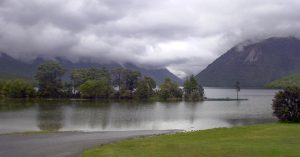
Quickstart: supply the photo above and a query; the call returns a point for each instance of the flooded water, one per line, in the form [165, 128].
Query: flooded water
[20, 116]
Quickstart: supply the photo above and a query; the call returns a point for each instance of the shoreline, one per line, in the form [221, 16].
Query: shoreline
[64, 144]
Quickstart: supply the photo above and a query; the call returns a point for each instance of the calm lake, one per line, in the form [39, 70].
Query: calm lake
[20, 116]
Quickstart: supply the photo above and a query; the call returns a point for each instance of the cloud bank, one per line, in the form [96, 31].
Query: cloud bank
[184, 36]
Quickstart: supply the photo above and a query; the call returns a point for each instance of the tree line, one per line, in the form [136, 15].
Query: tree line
[93, 83]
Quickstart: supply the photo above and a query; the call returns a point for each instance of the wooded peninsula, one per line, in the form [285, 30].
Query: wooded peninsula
[93, 83]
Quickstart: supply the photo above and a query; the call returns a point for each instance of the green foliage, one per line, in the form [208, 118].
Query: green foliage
[192, 90]
[49, 79]
[117, 75]
[17, 89]
[80, 76]
[169, 90]
[98, 83]
[286, 105]
[1, 88]
[289, 81]
[194, 96]
[145, 88]
[125, 94]
[150, 81]
[125, 79]
[96, 89]
[131, 79]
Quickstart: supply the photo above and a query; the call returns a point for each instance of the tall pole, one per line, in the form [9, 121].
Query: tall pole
[238, 88]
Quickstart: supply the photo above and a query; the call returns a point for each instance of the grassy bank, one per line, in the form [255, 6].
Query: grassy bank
[274, 140]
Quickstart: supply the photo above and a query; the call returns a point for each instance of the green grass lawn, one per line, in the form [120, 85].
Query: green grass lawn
[269, 140]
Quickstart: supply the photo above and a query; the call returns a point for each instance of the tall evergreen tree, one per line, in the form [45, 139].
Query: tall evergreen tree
[192, 90]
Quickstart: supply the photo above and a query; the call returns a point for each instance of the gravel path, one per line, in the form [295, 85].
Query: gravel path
[62, 144]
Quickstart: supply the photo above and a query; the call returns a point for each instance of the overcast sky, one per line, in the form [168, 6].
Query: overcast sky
[182, 35]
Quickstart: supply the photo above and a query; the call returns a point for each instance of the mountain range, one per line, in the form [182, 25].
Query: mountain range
[254, 65]
[14, 68]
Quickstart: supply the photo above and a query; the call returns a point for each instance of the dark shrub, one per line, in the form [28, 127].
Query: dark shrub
[286, 105]
[18, 89]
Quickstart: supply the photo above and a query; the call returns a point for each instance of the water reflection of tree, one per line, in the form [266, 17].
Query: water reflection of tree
[15, 104]
[132, 114]
[169, 111]
[105, 114]
[50, 116]
[93, 113]
[192, 107]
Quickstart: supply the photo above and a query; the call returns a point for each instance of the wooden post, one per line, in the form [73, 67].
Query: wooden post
[238, 88]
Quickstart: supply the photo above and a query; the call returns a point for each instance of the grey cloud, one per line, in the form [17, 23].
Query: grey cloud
[184, 36]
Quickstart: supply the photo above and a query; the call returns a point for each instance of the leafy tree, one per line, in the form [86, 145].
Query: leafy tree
[97, 74]
[131, 79]
[151, 82]
[96, 89]
[80, 76]
[126, 81]
[18, 89]
[125, 94]
[1, 88]
[145, 88]
[117, 75]
[192, 90]
[170, 90]
[49, 79]
[286, 105]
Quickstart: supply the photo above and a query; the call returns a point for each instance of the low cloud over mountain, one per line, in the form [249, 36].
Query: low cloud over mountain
[182, 35]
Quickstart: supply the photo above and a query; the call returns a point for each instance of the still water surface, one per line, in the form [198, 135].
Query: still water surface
[19, 116]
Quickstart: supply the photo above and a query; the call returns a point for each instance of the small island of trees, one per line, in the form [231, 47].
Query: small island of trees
[93, 83]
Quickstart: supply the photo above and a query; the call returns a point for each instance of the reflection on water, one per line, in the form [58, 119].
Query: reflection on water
[16, 116]
[50, 117]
